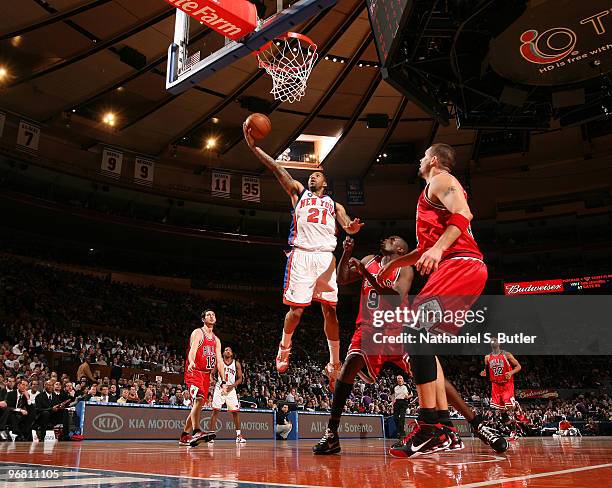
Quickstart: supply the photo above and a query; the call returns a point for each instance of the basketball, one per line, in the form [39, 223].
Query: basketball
[259, 124]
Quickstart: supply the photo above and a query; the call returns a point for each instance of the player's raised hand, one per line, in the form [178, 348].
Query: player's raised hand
[247, 135]
[348, 245]
[357, 265]
[354, 226]
[429, 261]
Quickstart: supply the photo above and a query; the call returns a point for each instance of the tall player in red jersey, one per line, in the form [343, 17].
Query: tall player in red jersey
[204, 354]
[447, 251]
[363, 357]
[502, 367]
[311, 266]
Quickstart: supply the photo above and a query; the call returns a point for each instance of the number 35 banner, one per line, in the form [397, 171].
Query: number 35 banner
[251, 191]
[111, 163]
[143, 171]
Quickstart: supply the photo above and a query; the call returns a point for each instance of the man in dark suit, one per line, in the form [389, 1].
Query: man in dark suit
[21, 415]
[51, 410]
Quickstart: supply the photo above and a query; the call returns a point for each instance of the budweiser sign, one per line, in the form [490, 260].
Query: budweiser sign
[230, 18]
[533, 287]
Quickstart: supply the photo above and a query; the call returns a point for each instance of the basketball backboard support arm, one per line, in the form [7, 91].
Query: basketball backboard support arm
[181, 74]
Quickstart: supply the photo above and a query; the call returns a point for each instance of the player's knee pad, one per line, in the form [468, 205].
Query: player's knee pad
[424, 369]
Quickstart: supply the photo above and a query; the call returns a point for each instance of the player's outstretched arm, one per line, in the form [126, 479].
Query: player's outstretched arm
[403, 261]
[293, 187]
[345, 273]
[447, 189]
[483, 373]
[349, 226]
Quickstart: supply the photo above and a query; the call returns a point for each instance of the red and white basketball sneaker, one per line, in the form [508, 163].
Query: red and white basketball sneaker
[282, 358]
[332, 371]
[185, 440]
[240, 439]
[201, 436]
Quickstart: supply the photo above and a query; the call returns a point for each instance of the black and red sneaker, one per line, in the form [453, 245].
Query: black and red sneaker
[491, 437]
[201, 437]
[423, 439]
[456, 442]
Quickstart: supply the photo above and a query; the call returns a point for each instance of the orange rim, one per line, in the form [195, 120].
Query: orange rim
[292, 35]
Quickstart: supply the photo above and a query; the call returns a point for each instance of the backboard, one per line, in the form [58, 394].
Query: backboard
[186, 69]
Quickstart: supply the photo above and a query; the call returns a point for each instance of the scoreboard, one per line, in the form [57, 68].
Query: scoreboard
[386, 19]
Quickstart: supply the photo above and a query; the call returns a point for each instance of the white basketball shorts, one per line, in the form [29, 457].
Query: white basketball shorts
[231, 399]
[310, 276]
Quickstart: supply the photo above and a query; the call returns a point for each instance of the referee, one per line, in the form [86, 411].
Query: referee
[401, 396]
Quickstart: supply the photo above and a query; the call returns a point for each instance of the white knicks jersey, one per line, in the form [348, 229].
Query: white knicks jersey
[314, 223]
[230, 374]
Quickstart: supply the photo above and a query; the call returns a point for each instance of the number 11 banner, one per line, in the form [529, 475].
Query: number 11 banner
[220, 186]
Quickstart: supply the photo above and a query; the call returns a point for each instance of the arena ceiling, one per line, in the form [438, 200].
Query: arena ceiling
[65, 70]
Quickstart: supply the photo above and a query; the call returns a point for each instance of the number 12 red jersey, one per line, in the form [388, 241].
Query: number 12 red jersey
[206, 355]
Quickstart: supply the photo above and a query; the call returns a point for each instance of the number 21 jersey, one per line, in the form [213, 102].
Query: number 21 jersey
[314, 223]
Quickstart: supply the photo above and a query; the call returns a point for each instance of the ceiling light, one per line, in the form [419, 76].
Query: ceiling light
[211, 142]
[15, 41]
[109, 119]
[120, 89]
[215, 120]
[3, 73]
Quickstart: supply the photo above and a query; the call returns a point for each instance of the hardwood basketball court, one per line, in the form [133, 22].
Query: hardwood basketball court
[532, 462]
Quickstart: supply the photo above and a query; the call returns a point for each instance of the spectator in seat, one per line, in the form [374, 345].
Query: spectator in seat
[104, 394]
[33, 392]
[21, 416]
[125, 393]
[85, 371]
[113, 395]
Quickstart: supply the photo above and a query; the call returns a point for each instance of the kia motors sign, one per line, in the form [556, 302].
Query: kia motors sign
[533, 287]
[230, 18]
[135, 422]
[312, 425]
[556, 42]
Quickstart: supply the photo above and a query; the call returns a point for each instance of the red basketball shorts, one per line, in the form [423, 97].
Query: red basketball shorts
[198, 383]
[453, 287]
[502, 395]
[363, 346]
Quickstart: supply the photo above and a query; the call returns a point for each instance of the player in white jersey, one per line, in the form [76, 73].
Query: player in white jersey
[233, 378]
[311, 266]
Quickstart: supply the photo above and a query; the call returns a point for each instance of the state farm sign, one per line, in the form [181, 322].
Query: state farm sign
[533, 287]
[230, 18]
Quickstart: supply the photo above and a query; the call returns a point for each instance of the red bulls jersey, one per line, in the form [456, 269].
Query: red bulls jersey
[498, 367]
[370, 300]
[206, 355]
[432, 221]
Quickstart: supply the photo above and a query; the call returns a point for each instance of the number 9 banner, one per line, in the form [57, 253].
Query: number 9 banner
[143, 171]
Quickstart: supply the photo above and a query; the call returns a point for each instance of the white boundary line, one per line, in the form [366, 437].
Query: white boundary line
[234, 481]
[532, 476]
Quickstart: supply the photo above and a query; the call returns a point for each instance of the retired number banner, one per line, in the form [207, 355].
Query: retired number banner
[111, 163]
[28, 136]
[251, 191]
[220, 186]
[144, 169]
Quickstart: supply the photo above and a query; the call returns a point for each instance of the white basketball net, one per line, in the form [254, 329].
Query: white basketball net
[289, 61]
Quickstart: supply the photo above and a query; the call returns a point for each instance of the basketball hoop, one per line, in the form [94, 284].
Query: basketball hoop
[288, 59]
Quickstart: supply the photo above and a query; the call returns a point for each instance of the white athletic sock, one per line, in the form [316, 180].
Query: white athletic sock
[334, 351]
[237, 432]
[286, 340]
